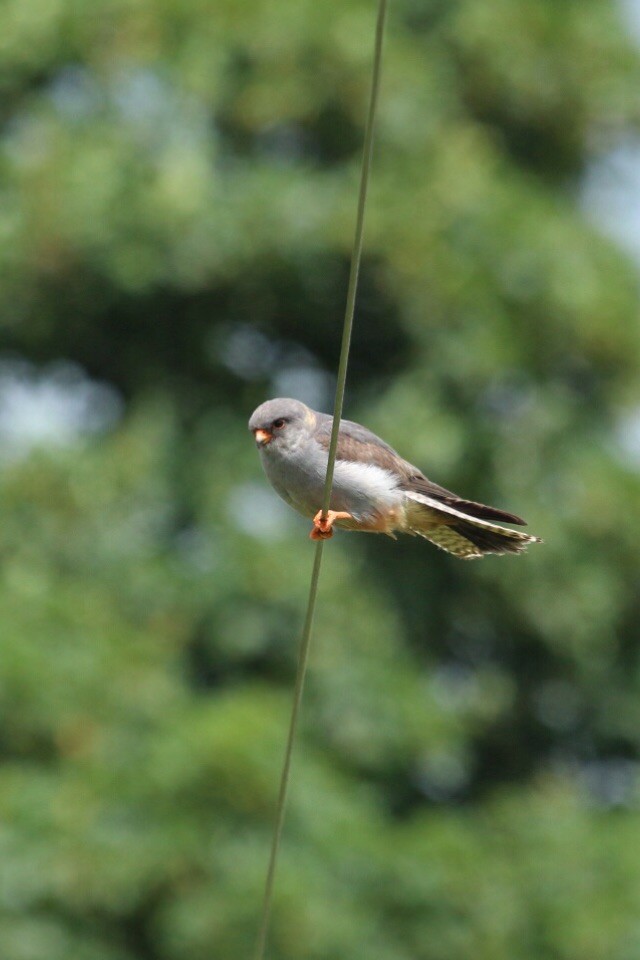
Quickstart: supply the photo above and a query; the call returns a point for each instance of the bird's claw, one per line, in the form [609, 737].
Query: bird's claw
[323, 525]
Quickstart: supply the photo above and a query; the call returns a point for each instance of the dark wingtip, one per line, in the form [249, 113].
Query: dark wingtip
[482, 512]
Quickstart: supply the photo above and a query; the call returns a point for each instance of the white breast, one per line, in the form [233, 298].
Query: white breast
[361, 489]
[364, 488]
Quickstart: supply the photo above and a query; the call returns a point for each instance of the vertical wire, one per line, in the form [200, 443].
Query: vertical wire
[303, 657]
[356, 256]
[305, 641]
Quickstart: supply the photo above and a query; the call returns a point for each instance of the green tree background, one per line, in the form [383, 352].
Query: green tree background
[178, 182]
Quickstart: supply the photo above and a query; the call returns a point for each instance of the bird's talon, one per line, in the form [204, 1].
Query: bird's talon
[318, 534]
[322, 526]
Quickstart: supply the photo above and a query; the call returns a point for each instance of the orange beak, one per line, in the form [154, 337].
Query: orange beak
[262, 436]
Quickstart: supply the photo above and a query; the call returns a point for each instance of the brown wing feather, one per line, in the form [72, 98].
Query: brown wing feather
[420, 484]
[357, 443]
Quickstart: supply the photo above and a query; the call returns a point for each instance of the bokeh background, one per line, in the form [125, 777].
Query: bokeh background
[177, 196]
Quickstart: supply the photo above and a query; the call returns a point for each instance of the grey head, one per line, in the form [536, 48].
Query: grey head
[281, 424]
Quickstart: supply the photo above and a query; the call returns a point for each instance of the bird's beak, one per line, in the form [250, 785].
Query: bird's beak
[262, 436]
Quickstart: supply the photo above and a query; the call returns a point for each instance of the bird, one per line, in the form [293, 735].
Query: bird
[374, 489]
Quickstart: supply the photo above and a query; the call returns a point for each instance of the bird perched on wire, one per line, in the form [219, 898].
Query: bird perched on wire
[374, 489]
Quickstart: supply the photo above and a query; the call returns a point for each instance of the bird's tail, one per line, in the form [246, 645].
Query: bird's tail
[459, 533]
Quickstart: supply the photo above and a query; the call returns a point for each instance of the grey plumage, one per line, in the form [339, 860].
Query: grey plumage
[374, 488]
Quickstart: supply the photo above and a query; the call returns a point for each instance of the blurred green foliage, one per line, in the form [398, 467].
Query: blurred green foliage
[177, 198]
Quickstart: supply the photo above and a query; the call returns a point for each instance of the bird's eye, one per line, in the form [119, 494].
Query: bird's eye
[279, 423]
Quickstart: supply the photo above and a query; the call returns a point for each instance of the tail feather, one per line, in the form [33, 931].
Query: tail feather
[493, 541]
[457, 532]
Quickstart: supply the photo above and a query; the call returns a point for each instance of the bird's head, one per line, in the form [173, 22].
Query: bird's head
[281, 424]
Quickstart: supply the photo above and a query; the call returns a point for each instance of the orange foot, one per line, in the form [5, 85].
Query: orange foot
[323, 526]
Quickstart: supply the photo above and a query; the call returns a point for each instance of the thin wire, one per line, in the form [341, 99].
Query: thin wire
[356, 256]
[305, 641]
[303, 658]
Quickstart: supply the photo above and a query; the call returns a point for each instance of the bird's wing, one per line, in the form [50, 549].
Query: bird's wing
[356, 443]
[419, 484]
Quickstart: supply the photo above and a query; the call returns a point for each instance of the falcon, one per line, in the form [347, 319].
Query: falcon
[374, 490]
